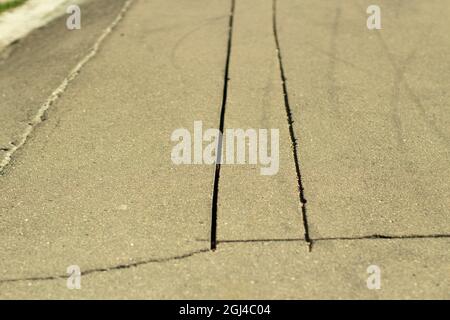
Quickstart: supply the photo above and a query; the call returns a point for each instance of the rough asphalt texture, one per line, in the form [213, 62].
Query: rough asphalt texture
[94, 184]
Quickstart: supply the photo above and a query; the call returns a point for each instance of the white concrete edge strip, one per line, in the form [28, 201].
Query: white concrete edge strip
[38, 118]
[18, 22]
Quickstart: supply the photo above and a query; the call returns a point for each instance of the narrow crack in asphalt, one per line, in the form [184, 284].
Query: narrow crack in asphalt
[215, 196]
[232, 241]
[113, 268]
[387, 237]
[291, 128]
[363, 237]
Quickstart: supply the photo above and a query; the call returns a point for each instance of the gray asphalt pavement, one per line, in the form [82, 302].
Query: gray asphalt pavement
[363, 179]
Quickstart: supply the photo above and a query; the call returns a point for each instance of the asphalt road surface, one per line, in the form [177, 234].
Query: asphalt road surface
[364, 151]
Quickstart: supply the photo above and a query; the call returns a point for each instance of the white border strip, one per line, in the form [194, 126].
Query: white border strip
[16, 23]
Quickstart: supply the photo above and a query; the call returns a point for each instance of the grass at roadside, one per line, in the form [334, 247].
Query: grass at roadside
[9, 4]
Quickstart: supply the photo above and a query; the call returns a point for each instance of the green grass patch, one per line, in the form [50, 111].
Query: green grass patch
[10, 4]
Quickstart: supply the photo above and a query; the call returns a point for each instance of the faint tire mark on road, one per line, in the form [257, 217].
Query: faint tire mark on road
[430, 120]
[189, 34]
[395, 100]
[333, 95]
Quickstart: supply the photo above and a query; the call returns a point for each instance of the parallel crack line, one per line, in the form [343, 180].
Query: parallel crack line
[56, 94]
[117, 267]
[291, 128]
[221, 126]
